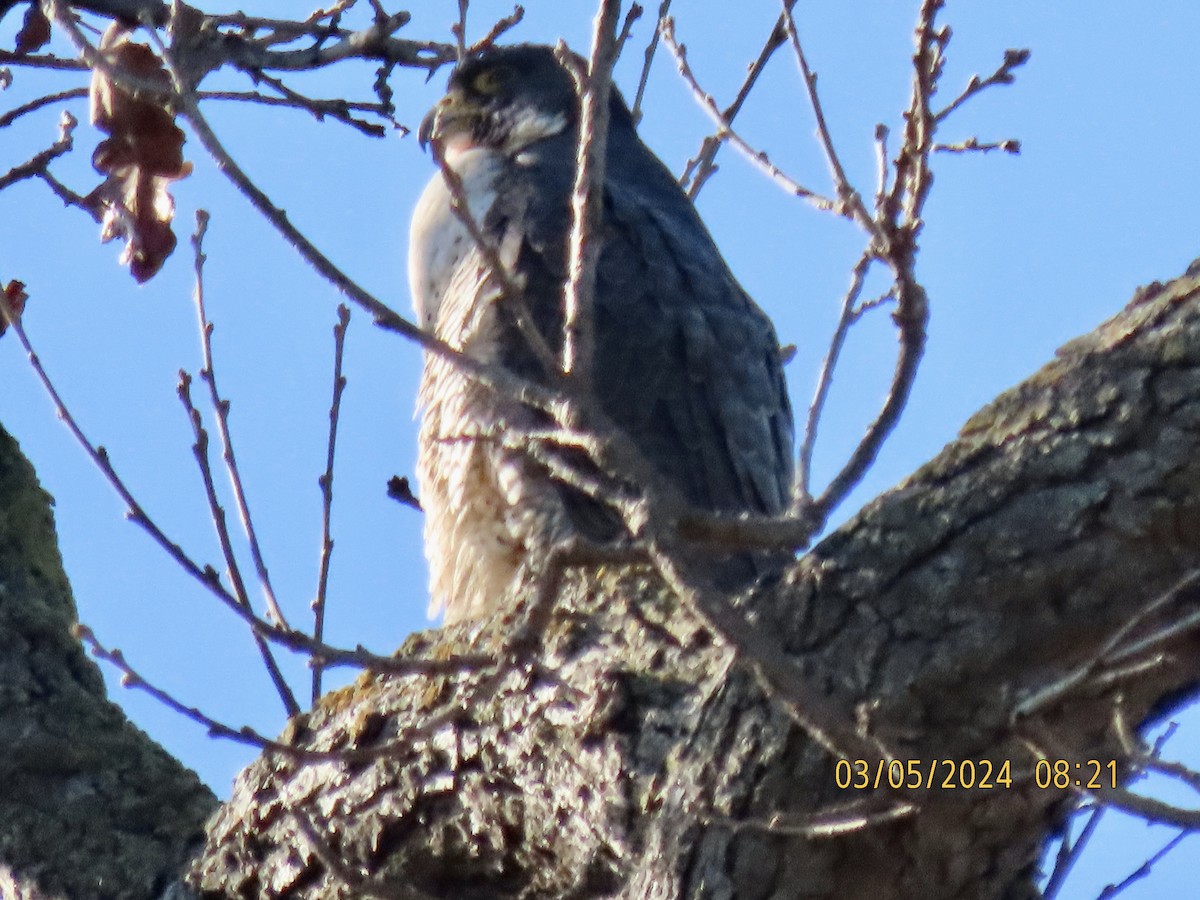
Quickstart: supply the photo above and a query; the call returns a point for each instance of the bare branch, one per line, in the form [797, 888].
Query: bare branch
[37, 165]
[130, 678]
[894, 231]
[1013, 60]
[703, 165]
[326, 485]
[1069, 853]
[647, 61]
[835, 820]
[216, 511]
[848, 316]
[337, 109]
[881, 165]
[850, 202]
[974, 145]
[1145, 868]
[221, 409]
[725, 130]
[34, 61]
[498, 29]
[587, 197]
[459, 30]
[48, 100]
[1116, 648]
[217, 515]
[808, 705]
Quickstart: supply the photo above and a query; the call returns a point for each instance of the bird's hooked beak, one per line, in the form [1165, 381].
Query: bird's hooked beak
[451, 115]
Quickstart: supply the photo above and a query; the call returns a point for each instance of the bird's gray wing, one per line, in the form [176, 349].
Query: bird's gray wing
[686, 365]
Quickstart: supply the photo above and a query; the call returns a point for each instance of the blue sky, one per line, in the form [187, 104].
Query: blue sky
[1019, 255]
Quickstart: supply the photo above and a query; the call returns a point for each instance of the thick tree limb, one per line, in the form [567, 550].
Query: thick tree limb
[620, 761]
[89, 806]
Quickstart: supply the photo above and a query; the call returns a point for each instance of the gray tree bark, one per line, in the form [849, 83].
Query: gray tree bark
[637, 756]
[90, 807]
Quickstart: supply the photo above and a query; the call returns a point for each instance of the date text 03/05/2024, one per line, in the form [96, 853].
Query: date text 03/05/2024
[967, 774]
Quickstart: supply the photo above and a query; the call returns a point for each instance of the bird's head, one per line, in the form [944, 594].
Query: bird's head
[503, 98]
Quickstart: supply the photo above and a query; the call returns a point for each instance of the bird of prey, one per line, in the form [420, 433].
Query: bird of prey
[685, 364]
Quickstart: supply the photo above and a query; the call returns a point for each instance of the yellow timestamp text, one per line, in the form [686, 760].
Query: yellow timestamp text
[911, 774]
[1089, 774]
[967, 774]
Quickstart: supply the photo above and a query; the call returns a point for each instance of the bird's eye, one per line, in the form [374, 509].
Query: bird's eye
[490, 81]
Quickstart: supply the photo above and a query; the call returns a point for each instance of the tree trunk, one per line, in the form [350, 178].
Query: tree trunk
[638, 755]
[90, 807]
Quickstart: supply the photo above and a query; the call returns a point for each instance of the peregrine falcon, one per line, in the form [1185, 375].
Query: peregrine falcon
[686, 365]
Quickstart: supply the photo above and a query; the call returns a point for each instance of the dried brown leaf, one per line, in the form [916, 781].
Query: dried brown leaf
[141, 156]
[14, 300]
[35, 31]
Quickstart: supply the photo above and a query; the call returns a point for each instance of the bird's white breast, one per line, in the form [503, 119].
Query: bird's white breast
[472, 546]
[438, 239]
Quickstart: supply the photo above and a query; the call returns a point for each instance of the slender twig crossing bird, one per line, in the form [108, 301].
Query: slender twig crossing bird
[685, 364]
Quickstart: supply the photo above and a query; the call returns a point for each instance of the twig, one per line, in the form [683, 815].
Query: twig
[850, 202]
[326, 485]
[336, 109]
[1145, 868]
[1013, 60]
[647, 61]
[846, 318]
[206, 575]
[631, 16]
[830, 822]
[587, 196]
[1047, 746]
[36, 165]
[375, 42]
[911, 316]
[817, 714]
[34, 61]
[133, 680]
[725, 130]
[1178, 771]
[319, 26]
[69, 197]
[1106, 652]
[25, 108]
[459, 30]
[217, 515]
[1069, 853]
[703, 165]
[974, 145]
[221, 409]
[499, 28]
[882, 168]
